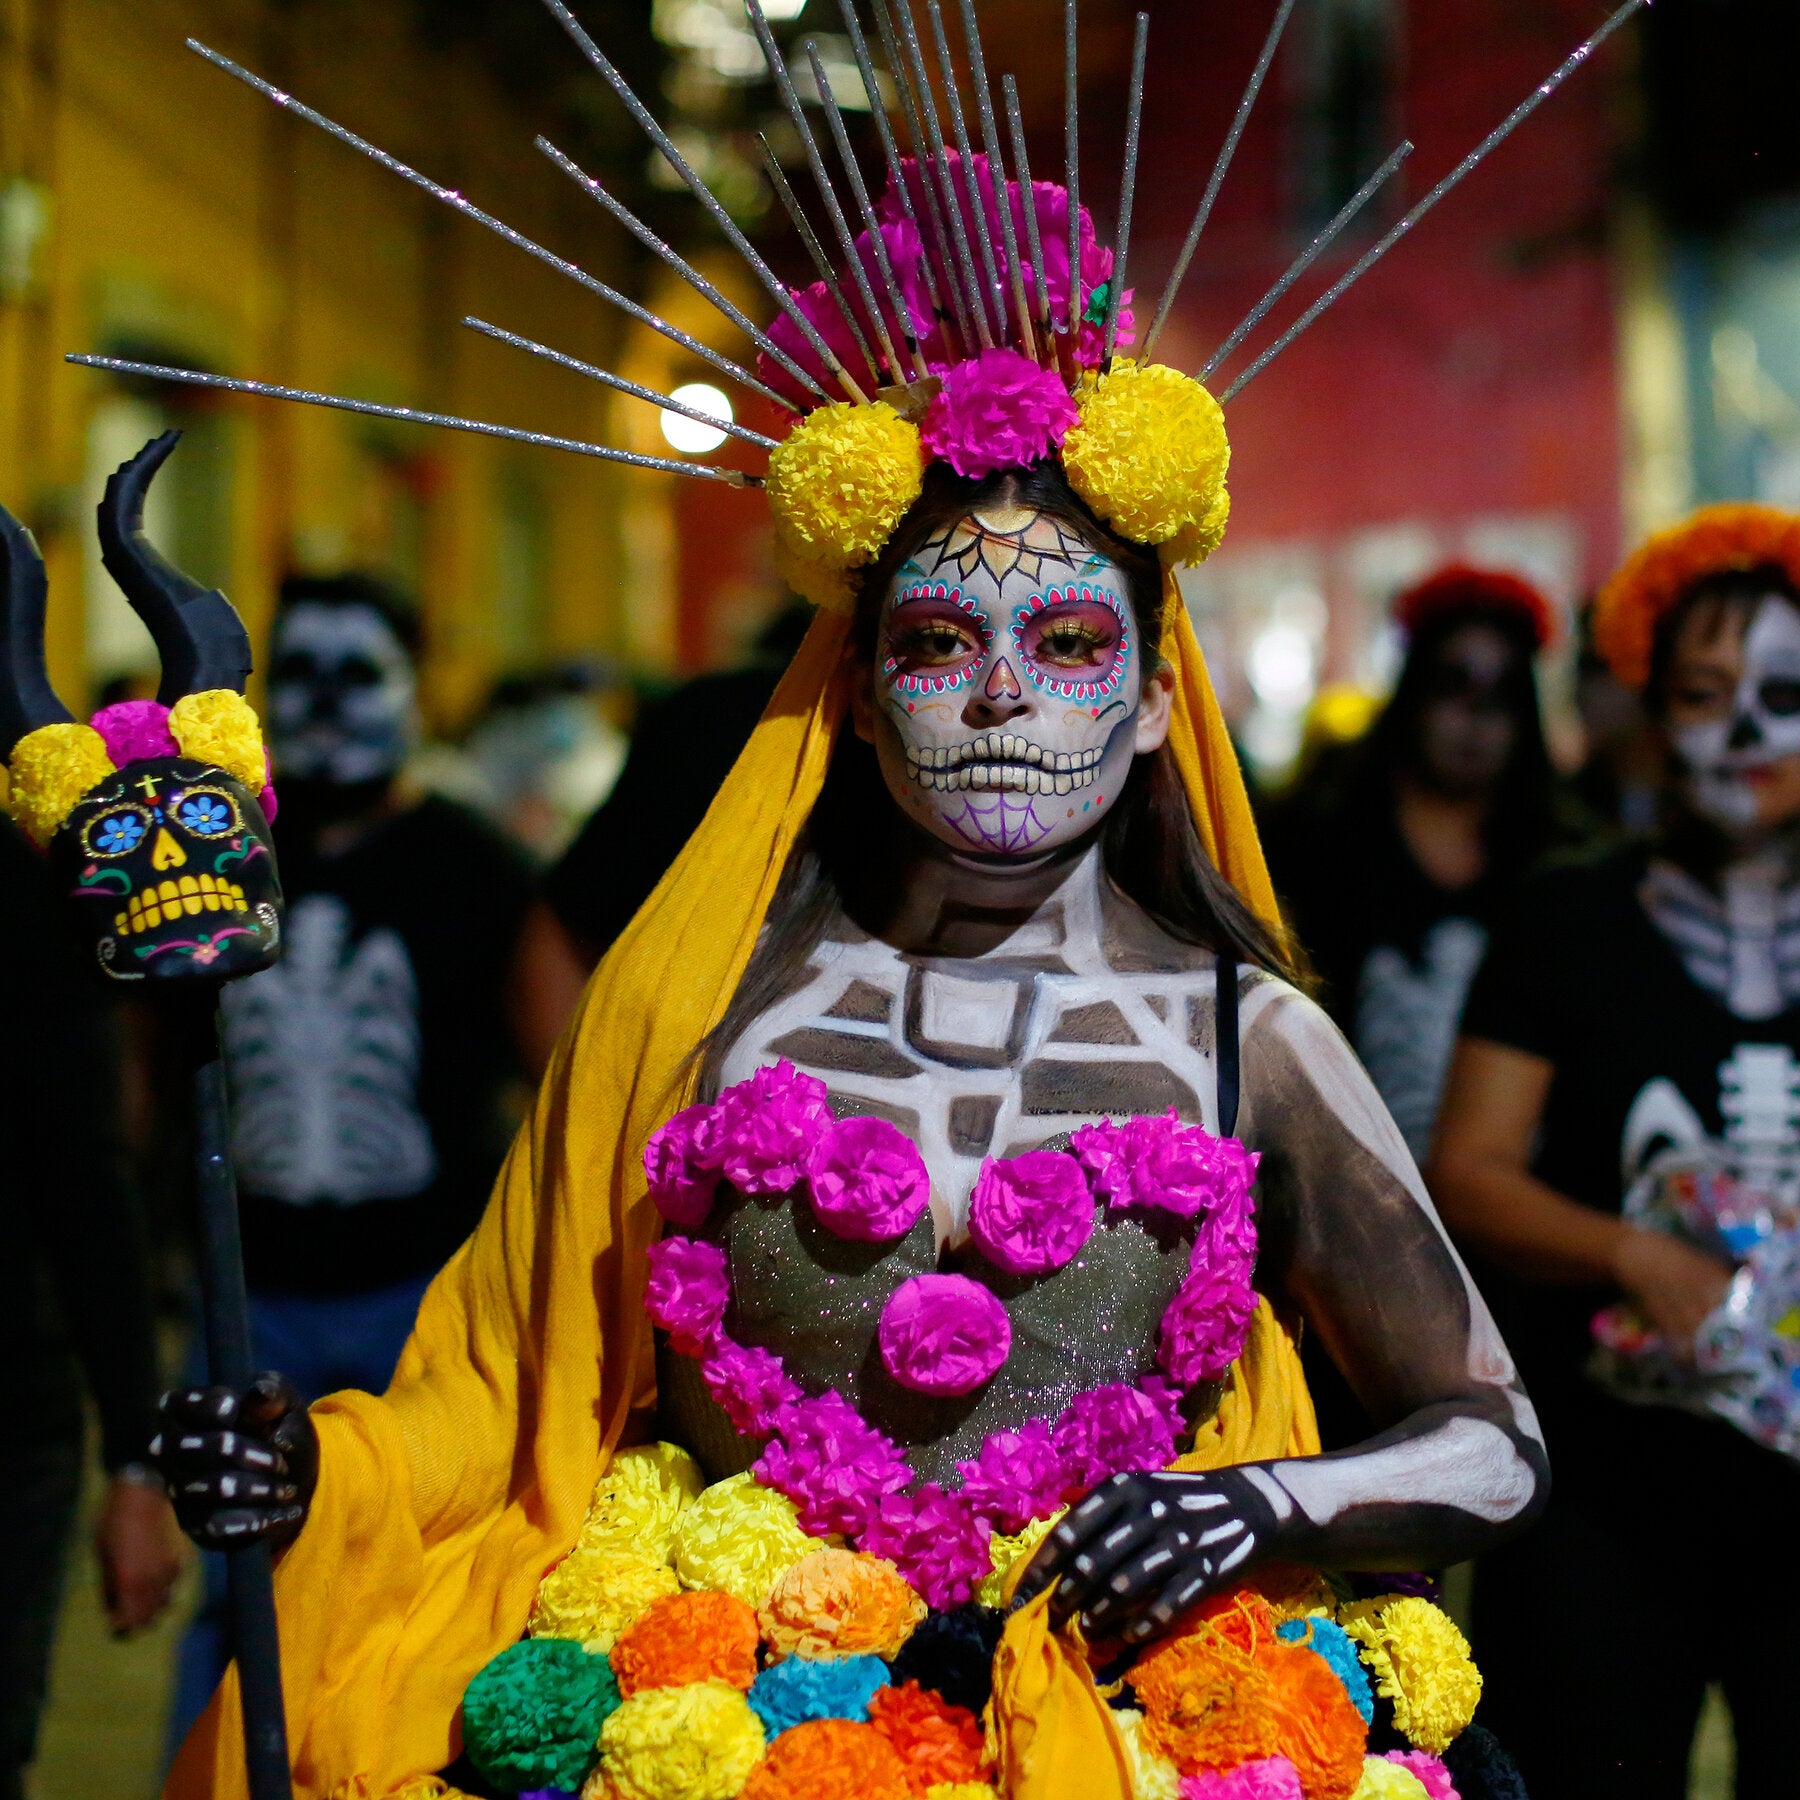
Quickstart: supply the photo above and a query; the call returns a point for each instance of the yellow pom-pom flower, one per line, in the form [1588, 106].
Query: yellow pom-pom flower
[51, 769]
[1009, 1555]
[1153, 1776]
[684, 1743]
[592, 1596]
[219, 727]
[639, 1499]
[838, 484]
[960, 1790]
[1421, 1662]
[1384, 1780]
[740, 1538]
[1149, 454]
[422, 1787]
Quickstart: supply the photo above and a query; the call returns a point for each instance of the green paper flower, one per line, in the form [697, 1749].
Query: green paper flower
[532, 1717]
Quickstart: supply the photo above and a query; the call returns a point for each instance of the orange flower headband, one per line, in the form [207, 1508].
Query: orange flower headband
[1717, 540]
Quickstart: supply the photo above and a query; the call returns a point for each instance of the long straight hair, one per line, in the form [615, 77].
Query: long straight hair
[847, 857]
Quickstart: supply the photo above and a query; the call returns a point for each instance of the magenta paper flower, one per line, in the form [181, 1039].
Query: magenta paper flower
[687, 1291]
[1205, 1325]
[833, 1466]
[868, 1181]
[1267, 1778]
[681, 1163]
[1017, 1476]
[1029, 1214]
[750, 1383]
[1161, 1162]
[135, 731]
[943, 1334]
[1432, 1774]
[768, 1125]
[998, 410]
[1114, 1430]
[934, 1540]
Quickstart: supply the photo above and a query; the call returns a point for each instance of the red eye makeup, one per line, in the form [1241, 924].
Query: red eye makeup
[1074, 641]
[935, 639]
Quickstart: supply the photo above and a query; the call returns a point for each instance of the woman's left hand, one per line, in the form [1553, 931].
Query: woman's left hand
[1141, 1549]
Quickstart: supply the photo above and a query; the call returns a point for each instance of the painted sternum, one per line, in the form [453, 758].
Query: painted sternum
[1074, 641]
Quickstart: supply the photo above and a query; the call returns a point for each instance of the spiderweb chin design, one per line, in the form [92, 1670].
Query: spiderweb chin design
[1000, 821]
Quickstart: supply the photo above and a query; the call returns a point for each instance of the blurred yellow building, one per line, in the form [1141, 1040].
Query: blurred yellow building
[152, 207]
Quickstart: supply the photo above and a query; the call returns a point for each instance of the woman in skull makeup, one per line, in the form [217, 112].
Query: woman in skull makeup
[1621, 1132]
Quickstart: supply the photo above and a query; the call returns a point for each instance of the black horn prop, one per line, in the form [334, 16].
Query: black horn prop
[27, 700]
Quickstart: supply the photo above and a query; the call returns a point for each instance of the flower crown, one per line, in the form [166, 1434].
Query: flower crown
[1461, 586]
[1716, 540]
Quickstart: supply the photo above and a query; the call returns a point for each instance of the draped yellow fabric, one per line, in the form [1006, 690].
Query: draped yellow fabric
[441, 1504]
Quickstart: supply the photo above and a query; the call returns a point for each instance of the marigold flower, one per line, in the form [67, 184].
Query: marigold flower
[700, 1742]
[829, 1759]
[840, 1603]
[738, 1538]
[1421, 1662]
[591, 1596]
[638, 1500]
[685, 1638]
[935, 1740]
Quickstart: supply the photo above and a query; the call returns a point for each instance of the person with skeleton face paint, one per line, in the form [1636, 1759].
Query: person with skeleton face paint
[1621, 1138]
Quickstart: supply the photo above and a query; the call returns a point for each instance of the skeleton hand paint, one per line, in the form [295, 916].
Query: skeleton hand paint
[1007, 686]
[1731, 760]
[343, 698]
[239, 1468]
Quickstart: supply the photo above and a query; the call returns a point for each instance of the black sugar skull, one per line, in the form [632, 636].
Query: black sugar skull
[155, 816]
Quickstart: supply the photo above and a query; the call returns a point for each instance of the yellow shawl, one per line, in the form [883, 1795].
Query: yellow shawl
[442, 1504]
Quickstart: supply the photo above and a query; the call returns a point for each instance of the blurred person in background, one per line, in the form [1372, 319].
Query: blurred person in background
[371, 1068]
[75, 1276]
[1617, 790]
[1392, 855]
[1620, 1142]
[681, 752]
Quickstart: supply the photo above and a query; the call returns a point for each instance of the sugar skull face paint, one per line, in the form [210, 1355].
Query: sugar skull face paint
[1007, 684]
[343, 697]
[1734, 714]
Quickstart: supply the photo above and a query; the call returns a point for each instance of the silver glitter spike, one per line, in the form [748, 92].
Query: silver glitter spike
[790, 203]
[1015, 125]
[412, 416]
[701, 192]
[897, 184]
[1227, 151]
[677, 262]
[871, 225]
[942, 258]
[617, 382]
[451, 198]
[990, 141]
[1134, 119]
[940, 162]
[992, 303]
[1308, 257]
[1469, 163]
[1072, 169]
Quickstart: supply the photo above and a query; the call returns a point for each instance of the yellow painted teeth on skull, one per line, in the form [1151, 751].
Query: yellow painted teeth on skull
[168, 901]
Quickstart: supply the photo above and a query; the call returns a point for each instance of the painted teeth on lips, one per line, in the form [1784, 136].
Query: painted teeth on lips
[999, 760]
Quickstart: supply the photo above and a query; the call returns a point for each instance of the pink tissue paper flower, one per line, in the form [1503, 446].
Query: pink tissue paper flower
[681, 1163]
[1205, 1325]
[1017, 1476]
[135, 731]
[868, 1181]
[833, 1466]
[1161, 1162]
[1114, 1430]
[1432, 1774]
[750, 1383]
[1268, 1778]
[1029, 1214]
[687, 1291]
[999, 410]
[935, 1541]
[943, 1334]
[768, 1125]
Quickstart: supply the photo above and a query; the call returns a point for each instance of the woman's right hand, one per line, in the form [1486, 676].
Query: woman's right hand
[240, 1468]
[1676, 1284]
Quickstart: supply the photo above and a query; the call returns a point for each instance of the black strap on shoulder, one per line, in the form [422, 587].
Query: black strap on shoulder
[1226, 1034]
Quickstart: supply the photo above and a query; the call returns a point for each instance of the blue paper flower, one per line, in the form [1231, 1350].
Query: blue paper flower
[121, 832]
[796, 1690]
[205, 814]
[1333, 1643]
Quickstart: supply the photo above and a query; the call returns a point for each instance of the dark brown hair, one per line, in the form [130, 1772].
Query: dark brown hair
[845, 857]
[1727, 591]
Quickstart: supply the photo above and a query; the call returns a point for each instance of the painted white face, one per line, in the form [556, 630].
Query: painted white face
[343, 698]
[1008, 674]
[1726, 758]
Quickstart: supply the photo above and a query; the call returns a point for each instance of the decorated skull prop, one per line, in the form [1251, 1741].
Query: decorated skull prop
[155, 816]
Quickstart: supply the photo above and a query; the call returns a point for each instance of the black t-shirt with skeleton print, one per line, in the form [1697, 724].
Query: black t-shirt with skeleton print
[1655, 1066]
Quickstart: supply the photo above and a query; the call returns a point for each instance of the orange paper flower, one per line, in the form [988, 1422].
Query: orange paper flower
[1716, 539]
[683, 1638]
[935, 1740]
[829, 1759]
[1318, 1727]
[841, 1603]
